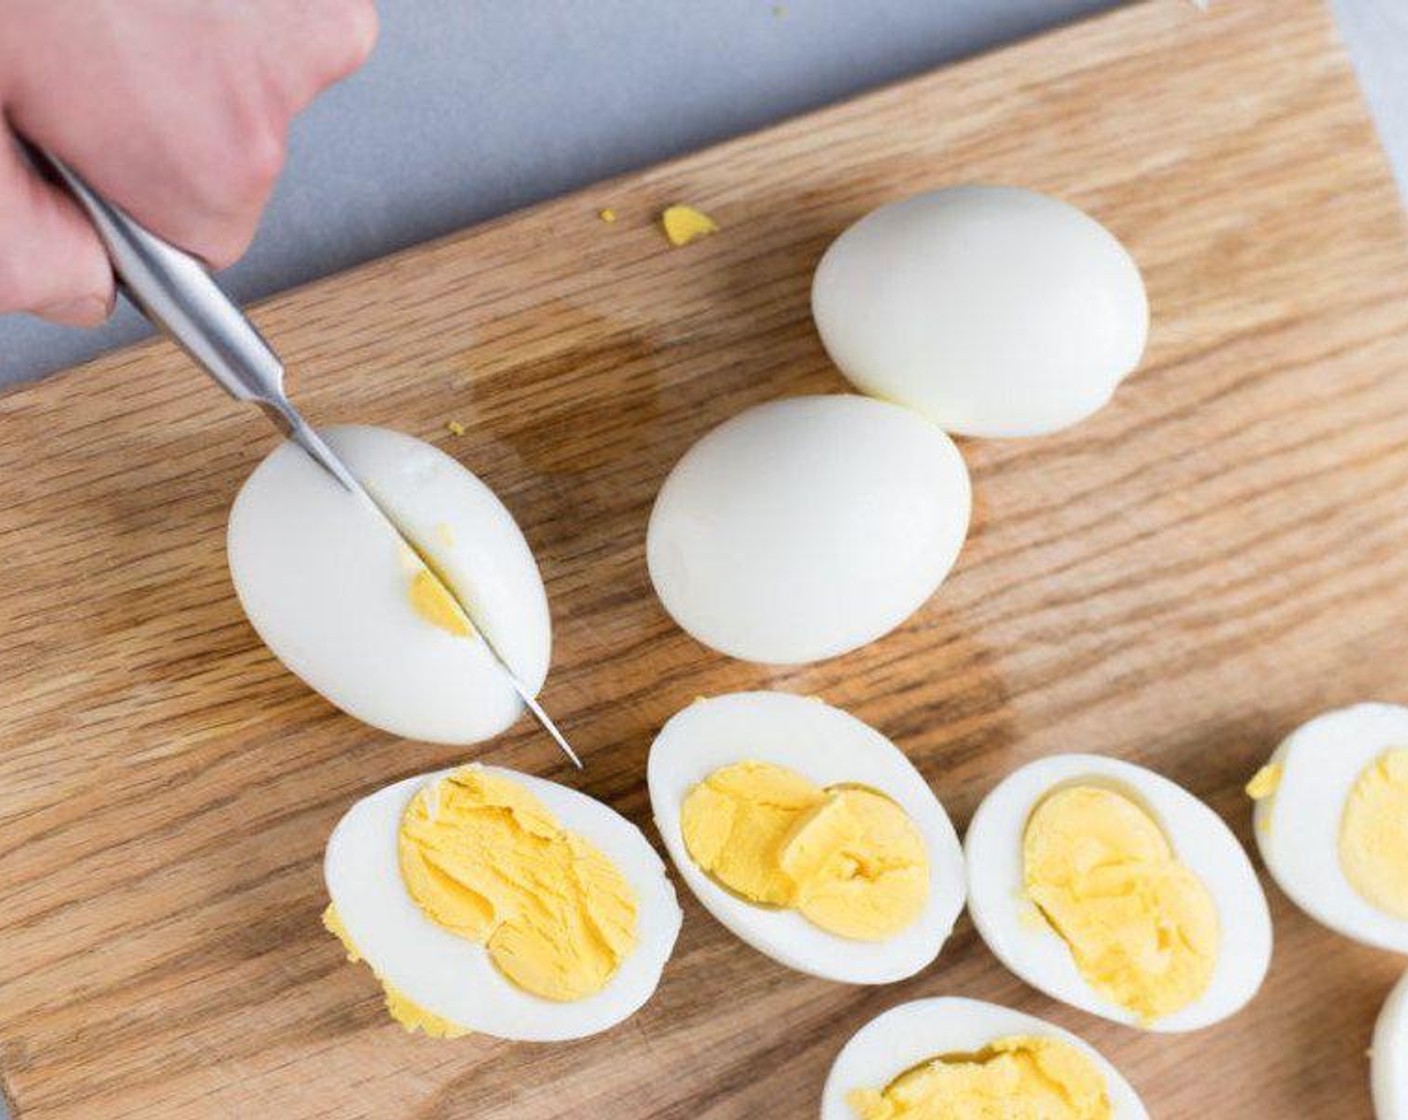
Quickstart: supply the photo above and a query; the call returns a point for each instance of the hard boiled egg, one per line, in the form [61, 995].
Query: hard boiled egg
[1389, 1056]
[480, 963]
[993, 311]
[345, 605]
[990, 1052]
[1332, 821]
[824, 749]
[804, 528]
[1112, 889]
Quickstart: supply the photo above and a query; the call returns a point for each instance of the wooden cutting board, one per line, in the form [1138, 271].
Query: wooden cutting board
[1219, 554]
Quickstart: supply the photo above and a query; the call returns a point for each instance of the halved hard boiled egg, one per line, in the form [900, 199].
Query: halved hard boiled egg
[973, 1058]
[804, 528]
[1112, 889]
[488, 900]
[1332, 821]
[1388, 1057]
[993, 311]
[344, 604]
[808, 834]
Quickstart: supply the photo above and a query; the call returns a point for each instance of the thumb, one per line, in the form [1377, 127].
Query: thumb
[51, 261]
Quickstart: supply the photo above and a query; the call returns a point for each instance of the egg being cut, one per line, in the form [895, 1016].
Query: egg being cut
[1331, 821]
[807, 527]
[963, 1057]
[808, 834]
[1112, 889]
[993, 311]
[489, 901]
[345, 605]
[1388, 1056]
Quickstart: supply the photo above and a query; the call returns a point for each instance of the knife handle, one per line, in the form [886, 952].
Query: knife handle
[177, 293]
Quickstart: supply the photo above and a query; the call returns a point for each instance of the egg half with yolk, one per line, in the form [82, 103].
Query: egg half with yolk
[342, 601]
[808, 834]
[952, 1057]
[1331, 821]
[490, 901]
[1115, 890]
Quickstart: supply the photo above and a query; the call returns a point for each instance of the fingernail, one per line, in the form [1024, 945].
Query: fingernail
[90, 311]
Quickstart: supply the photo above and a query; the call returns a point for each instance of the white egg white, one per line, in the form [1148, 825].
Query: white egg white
[993, 311]
[1298, 827]
[1388, 1069]
[829, 747]
[325, 583]
[807, 527]
[913, 1033]
[452, 976]
[1013, 929]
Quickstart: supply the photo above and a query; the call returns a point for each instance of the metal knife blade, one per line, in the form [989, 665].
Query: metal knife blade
[177, 294]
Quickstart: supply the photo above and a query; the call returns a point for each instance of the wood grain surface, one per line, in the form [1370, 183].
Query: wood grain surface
[1219, 554]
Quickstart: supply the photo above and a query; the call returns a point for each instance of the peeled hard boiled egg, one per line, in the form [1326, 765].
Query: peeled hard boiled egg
[804, 528]
[500, 966]
[943, 1049]
[346, 606]
[1332, 821]
[819, 754]
[1389, 1056]
[993, 311]
[1112, 889]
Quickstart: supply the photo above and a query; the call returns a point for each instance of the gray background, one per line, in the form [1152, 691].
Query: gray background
[471, 108]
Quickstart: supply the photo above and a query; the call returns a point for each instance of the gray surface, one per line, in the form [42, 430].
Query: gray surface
[472, 109]
[469, 110]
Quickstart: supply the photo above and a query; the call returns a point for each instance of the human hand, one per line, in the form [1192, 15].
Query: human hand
[176, 110]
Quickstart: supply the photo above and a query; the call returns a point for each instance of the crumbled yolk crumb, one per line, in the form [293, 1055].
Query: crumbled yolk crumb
[1141, 926]
[1014, 1078]
[607, 215]
[405, 1011]
[454, 427]
[1373, 844]
[484, 859]
[1265, 781]
[683, 224]
[847, 858]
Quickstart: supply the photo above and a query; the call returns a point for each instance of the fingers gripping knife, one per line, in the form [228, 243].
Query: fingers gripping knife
[174, 291]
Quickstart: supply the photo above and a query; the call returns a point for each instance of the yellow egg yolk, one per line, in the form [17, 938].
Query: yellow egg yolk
[483, 858]
[1265, 782]
[1141, 926]
[406, 1012]
[683, 224]
[434, 603]
[1015, 1078]
[847, 858]
[1374, 833]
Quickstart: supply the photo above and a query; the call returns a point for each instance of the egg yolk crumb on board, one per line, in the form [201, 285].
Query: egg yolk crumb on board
[1016, 1078]
[403, 1010]
[1374, 833]
[1142, 928]
[845, 857]
[683, 224]
[483, 858]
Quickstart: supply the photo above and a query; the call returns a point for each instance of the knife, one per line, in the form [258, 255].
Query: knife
[178, 295]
